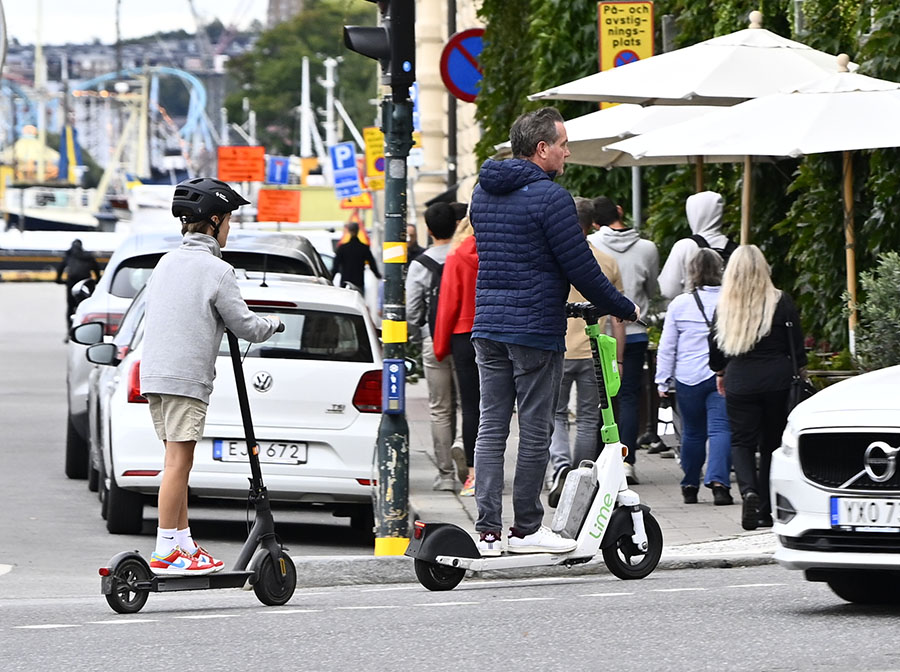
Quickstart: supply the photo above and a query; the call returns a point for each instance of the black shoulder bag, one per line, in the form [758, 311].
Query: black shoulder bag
[801, 387]
[709, 336]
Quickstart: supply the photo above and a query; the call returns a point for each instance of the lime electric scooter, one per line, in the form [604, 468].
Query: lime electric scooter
[262, 563]
[596, 507]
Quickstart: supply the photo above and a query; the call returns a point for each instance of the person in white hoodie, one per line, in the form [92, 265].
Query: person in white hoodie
[704, 215]
[638, 261]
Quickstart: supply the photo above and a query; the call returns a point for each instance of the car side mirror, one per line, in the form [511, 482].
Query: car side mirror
[83, 289]
[105, 354]
[88, 334]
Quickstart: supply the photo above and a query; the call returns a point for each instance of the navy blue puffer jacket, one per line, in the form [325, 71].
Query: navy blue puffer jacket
[530, 248]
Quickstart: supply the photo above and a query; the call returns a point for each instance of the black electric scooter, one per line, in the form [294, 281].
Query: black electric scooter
[262, 564]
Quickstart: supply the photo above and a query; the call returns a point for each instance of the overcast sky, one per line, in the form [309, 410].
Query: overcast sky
[81, 21]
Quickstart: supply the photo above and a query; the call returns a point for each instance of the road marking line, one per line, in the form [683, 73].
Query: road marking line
[384, 590]
[676, 590]
[46, 626]
[444, 604]
[755, 585]
[202, 617]
[374, 606]
[526, 599]
[119, 621]
[5, 569]
[605, 594]
[289, 611]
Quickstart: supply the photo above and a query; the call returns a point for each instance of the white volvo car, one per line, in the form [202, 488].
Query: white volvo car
[835, 487]
[315, 396]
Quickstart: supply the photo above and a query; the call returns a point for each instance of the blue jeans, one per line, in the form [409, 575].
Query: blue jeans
[629, 405]
[529, 378]
[704, 415]
[581, 373]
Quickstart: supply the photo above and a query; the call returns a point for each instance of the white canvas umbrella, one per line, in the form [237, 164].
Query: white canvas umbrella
[842, 112]
[723, 71]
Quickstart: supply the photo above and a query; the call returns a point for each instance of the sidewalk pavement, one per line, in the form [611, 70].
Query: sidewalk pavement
[695, 535]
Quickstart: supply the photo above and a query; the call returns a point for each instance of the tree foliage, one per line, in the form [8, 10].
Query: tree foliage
[797, 212]
[270, 74]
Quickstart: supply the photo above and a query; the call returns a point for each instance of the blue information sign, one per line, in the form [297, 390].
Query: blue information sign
[277, 170]
[344, 170]
[393, 387]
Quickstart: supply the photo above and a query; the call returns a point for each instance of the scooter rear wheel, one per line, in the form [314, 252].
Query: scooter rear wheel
[618, 556]
[125, 598]
[276, 583]
[438, 577]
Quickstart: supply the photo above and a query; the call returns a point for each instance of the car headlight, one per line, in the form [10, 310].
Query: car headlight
[789, 440]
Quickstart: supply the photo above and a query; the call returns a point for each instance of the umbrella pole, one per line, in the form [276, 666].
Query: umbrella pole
[698, 175]
[746, 201]
[850, 245]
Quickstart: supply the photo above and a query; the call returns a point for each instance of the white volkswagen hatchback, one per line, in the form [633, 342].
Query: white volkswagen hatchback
[835, 487]
[315, 395]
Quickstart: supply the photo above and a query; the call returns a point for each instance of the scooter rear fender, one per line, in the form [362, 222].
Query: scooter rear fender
[620, 524]
[106, 582]
[433, 539]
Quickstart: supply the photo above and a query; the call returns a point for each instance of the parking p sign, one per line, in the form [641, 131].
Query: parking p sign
[346, 174]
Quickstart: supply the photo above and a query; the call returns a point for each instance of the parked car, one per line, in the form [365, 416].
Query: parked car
[127, 271]
[835, 487]
[315, 393]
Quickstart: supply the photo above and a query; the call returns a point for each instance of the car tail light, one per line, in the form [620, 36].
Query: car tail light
[111, 321]
[367, 398]
[134, 385]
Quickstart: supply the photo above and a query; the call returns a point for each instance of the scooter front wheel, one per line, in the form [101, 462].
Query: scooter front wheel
[626, 561]
[438, 577]
[124, 597]
[276, 581]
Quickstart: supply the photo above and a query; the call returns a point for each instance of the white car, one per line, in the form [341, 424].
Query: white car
[315, 395]
[128, 270]
[835, 488]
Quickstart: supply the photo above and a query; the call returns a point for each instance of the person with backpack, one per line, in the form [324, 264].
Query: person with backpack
[683, 357]
[423, 283]
[77, 264]
[704, 215]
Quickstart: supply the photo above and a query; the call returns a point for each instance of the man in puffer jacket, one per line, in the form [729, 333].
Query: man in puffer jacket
[530, 249]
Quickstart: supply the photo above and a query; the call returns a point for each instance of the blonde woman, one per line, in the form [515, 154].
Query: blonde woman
[751, 356]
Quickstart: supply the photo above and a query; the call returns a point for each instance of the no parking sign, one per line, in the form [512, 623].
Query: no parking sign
[626, 33]
[461, 65]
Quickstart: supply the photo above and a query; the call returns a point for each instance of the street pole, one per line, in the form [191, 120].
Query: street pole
[392, 515]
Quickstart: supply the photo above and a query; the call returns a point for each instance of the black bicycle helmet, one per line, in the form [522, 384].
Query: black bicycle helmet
[201, 197]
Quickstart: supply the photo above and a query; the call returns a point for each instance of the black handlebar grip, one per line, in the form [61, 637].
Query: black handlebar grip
[280, 327]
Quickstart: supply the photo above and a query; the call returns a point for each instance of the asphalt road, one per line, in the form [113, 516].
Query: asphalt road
[52, 538]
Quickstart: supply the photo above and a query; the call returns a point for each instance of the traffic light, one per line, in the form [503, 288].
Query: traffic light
[393, 43]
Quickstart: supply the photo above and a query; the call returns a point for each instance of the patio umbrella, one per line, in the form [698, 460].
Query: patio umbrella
[722, 71]
[842, 112]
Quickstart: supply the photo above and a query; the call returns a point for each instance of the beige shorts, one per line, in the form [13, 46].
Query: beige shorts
[177, 418]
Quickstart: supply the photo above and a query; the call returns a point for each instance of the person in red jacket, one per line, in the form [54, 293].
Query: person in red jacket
[453, 333]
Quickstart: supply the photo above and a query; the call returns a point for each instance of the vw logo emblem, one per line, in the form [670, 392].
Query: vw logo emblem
[880, 461]
[262, 381]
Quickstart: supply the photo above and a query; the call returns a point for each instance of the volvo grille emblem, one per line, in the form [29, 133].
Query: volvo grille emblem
[880, 461]
[262, 381]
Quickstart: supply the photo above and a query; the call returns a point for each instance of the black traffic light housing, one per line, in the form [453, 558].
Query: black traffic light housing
[393, 43]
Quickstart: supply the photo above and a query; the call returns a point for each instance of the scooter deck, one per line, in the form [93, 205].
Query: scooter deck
[170, 584]
[510, 560]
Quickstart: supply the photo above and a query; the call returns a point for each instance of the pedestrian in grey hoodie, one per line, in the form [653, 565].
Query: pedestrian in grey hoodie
[704, 215]
[638, 261]
[192, 296]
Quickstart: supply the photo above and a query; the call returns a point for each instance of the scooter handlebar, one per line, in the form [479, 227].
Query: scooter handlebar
[280, 327]
[589, 312]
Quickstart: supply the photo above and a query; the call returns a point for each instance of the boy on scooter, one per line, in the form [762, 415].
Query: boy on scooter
[192, 296]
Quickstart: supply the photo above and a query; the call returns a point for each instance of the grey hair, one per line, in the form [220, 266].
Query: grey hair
[705, 268]
[532, 128]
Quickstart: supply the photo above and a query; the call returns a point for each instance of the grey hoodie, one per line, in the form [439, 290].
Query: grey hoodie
[704, 215]
[192, 296]
[638, 261]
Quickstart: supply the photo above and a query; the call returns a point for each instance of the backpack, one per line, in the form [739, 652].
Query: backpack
[434, 288]
[725, 253]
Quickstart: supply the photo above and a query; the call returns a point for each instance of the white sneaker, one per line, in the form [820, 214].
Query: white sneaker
[544, 540]
[630, 477]
[489, 544]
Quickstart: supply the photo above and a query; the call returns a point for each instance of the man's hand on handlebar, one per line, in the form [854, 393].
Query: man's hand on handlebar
[634, 317]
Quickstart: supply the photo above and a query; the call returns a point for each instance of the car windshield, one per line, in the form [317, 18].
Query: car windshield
[133, 273]
[311, 334]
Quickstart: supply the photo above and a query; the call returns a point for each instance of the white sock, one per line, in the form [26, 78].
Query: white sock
[184, 539]
[165, 541]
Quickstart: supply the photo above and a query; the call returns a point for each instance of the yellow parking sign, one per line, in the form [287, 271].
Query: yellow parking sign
[374, 140]
[626, 32]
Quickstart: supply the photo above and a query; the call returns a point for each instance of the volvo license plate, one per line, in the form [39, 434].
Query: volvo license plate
[861, 512]
[270, 452]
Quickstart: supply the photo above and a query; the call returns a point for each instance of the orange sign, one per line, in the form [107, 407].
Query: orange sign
[242, 164]
[278, 205]
[362, 202]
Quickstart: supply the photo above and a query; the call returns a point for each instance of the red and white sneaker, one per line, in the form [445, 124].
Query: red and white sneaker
[179, 563]
[203, 556]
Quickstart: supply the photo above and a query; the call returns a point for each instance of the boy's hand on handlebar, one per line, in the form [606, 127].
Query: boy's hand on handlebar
[280, 324]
